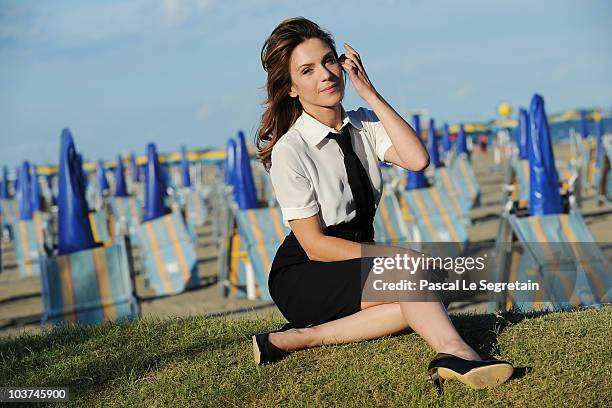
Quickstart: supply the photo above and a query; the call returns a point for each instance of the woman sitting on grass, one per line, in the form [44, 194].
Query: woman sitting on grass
[323, 163]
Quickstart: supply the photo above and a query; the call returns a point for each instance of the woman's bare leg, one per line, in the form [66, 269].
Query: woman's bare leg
[428, 319]
[367, 324]
[376, 319]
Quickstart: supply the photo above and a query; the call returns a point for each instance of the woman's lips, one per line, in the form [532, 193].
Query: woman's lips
[331, 89]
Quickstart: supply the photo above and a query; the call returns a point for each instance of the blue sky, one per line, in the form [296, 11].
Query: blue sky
[122, 73]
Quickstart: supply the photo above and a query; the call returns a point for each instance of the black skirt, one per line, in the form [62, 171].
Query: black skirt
[309, 293]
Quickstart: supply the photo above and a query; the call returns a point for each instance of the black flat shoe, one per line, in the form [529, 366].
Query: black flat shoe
[474, 374]
[264, 351]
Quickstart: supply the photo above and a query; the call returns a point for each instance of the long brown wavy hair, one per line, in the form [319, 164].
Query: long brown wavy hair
[281, 110]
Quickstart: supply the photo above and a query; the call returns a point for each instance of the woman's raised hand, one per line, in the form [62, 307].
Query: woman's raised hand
[351, 62]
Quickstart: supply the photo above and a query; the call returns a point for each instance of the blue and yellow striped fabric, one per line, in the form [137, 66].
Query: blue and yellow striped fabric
[128, 208]
[28, 238]
[195, 209]
[389, 225]
[9, 210]
[262, 231]
[466, 180]
[88, 287]
[434, 218]
[447, 182]
[100, 228]
[562, 255]
[170, 257]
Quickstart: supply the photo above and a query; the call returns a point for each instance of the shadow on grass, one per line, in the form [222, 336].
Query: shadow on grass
[98, 357]
[481, 331]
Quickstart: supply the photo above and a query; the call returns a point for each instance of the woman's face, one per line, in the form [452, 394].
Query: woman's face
[316, 75]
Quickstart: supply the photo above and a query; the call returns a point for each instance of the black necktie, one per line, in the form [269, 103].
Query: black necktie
[358, 179]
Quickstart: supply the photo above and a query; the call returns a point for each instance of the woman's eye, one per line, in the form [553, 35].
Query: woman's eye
[307, 70]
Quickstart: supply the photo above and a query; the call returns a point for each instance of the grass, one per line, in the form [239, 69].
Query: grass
[561, 359]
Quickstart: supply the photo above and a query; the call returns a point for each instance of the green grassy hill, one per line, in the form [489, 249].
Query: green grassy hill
[561, 359]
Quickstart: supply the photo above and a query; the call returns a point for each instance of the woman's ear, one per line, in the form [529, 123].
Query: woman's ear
[292, 92]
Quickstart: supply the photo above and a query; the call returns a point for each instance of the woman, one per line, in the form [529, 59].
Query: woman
[323, 163]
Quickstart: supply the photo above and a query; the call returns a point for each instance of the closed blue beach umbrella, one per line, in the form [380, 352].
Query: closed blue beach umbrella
[544, 195]
[432, 145]
[120, 186]
[584, 130]
[74, 229]
[461, 141]
[101, 176]
[230, 162]
[134, 169]
[155, 187]
[4, 187]
[24, 195]
[447, 145]
[523, 134]
[82, 172]
[599, 139]
[247, 197]
[49, 180]
[35, 196]
[416, 179]
[186, 179]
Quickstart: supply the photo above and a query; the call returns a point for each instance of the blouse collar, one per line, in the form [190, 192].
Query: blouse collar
[314, 131]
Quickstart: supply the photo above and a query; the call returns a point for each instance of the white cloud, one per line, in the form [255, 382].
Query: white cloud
[175, 12]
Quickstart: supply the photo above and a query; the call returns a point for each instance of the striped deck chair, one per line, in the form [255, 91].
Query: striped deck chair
[261, 232]
[446, 181]
[560, 254]
[88, 287]
[128, 208]
[468, 182]
[169, 255]
[389, 225]
[28, 238]
[196, 211]
[520, 192]
[9, 212]
[224, 221]
[100, 228]
[434, 220]
[237, 285]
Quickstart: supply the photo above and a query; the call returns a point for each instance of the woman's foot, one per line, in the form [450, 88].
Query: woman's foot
[459, 348]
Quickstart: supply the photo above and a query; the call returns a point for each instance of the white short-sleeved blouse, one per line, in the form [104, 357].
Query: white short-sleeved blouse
[308, 172]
